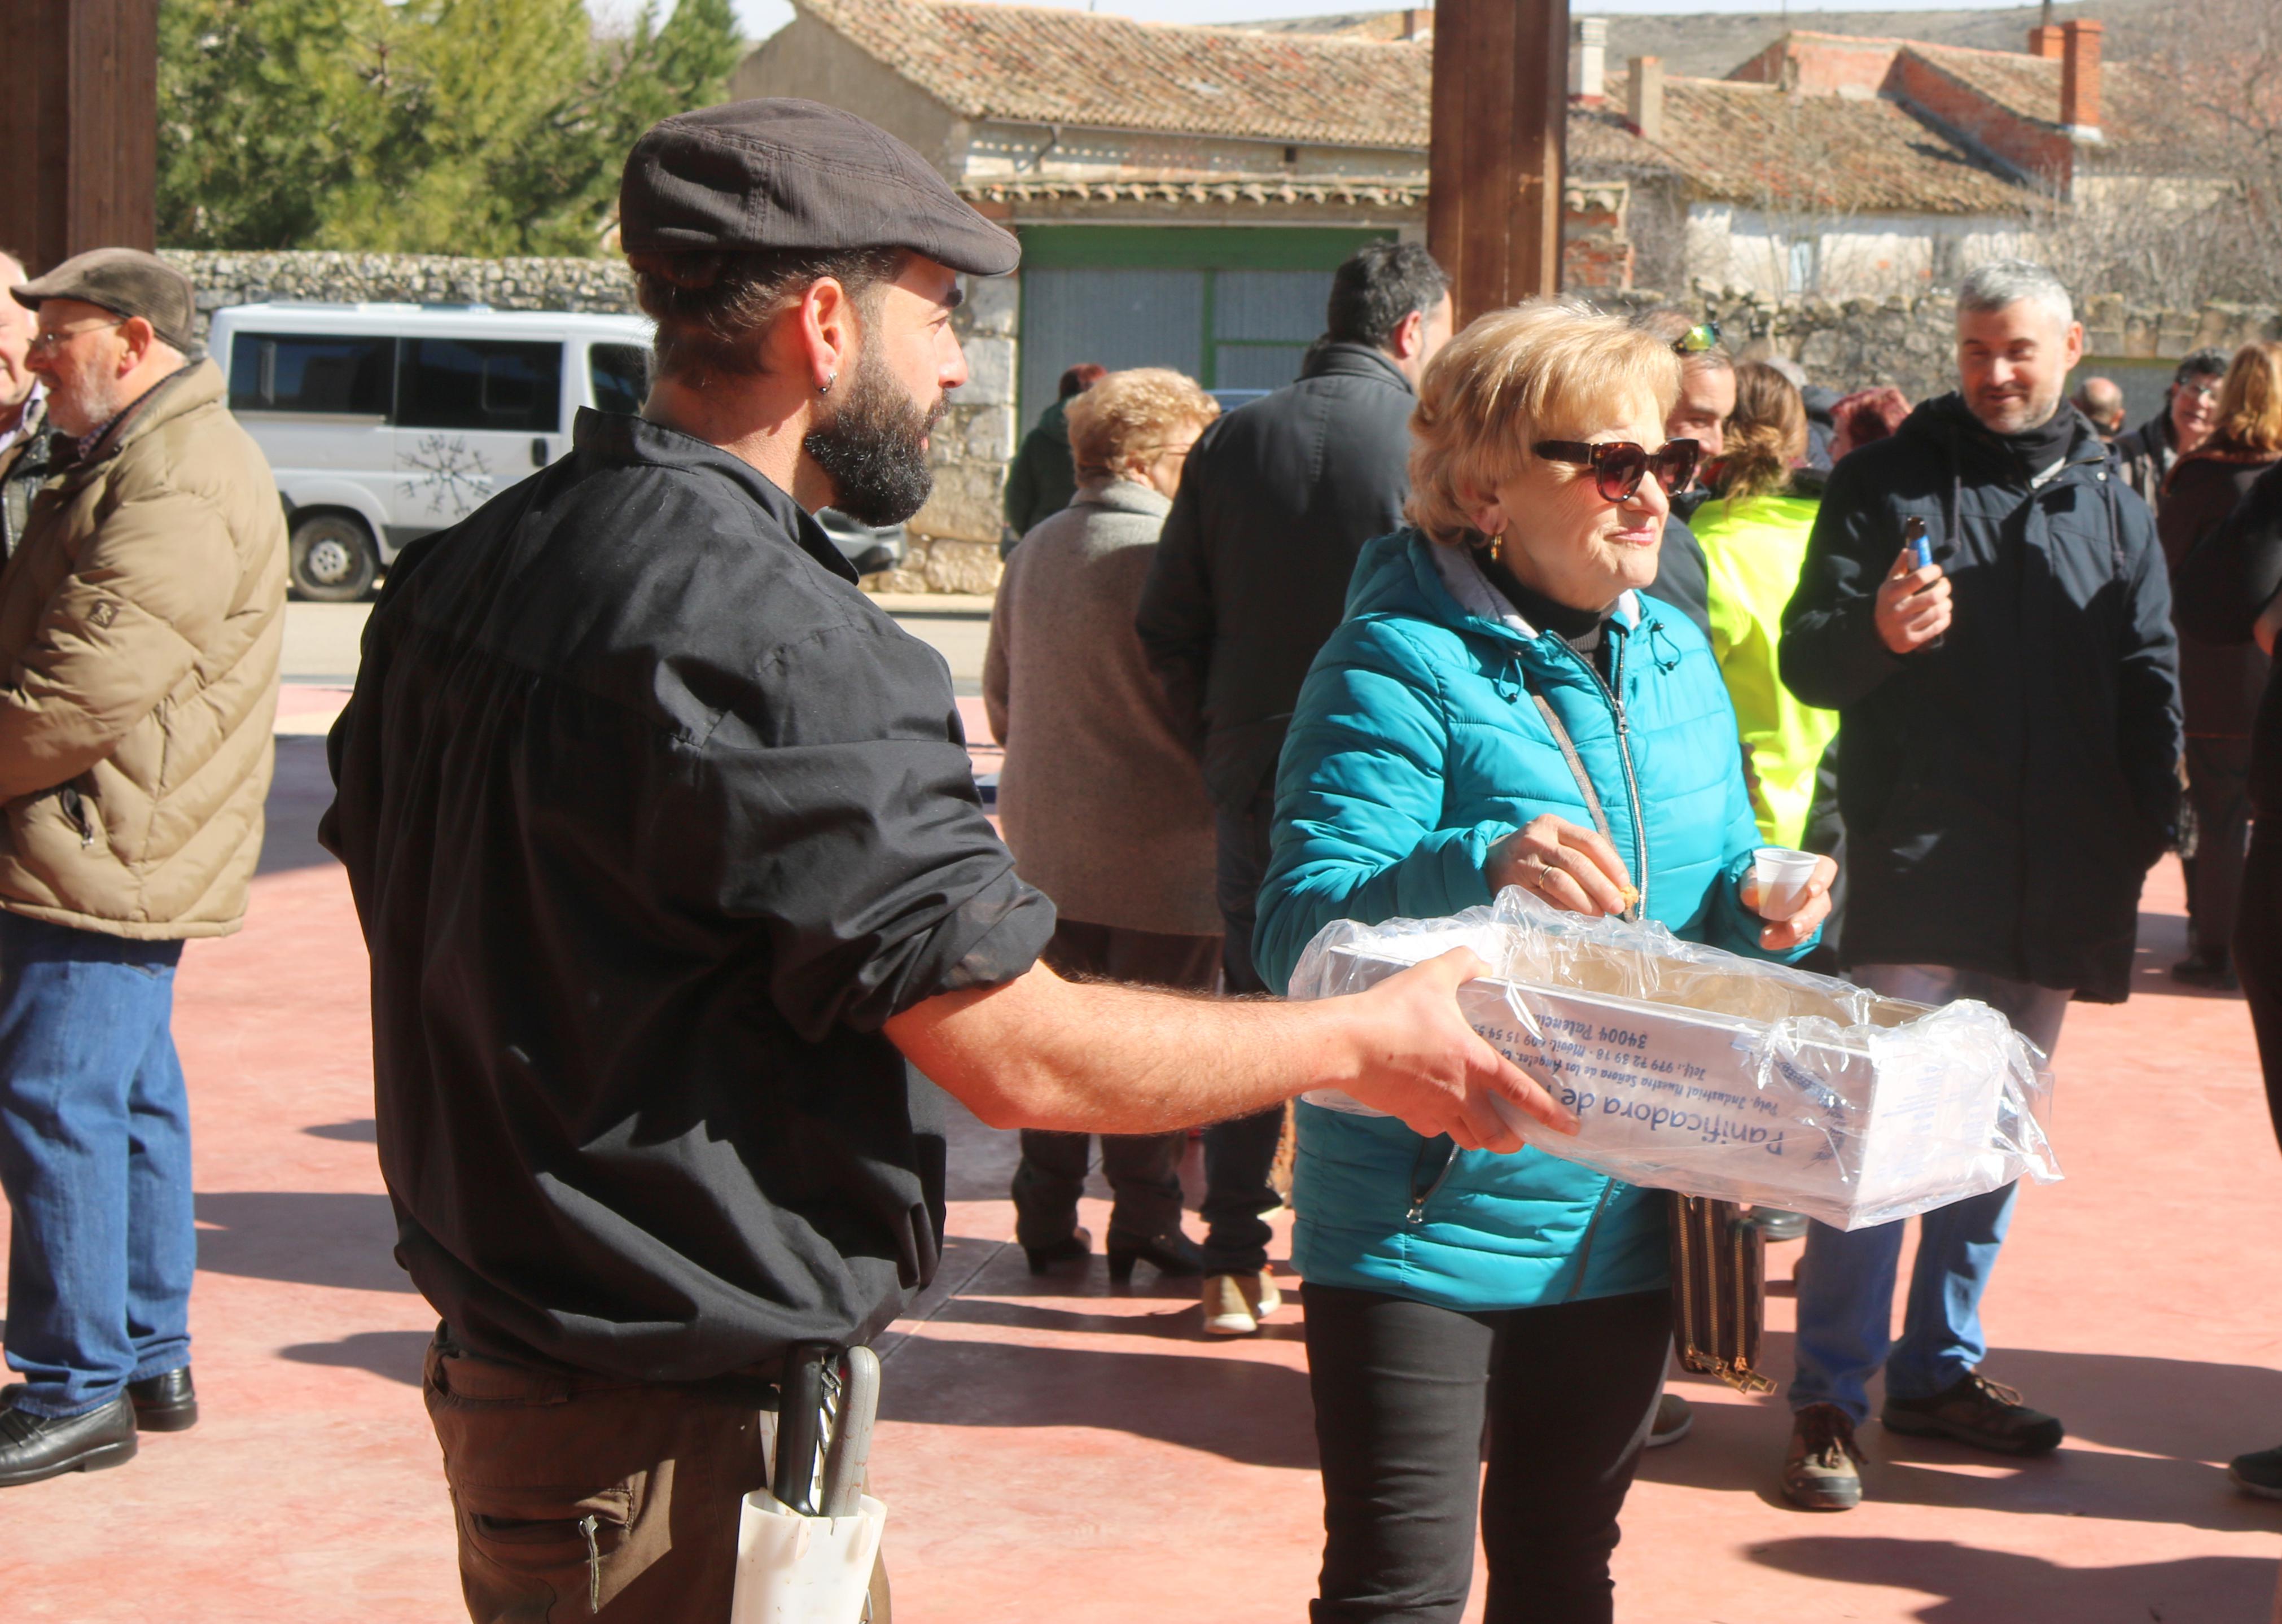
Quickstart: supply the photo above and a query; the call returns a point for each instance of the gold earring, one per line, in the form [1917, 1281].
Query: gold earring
[1497, 547]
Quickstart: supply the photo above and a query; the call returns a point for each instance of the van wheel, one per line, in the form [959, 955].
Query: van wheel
[332, 559]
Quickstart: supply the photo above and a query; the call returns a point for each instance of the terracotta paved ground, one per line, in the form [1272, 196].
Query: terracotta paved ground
[1072, 1454]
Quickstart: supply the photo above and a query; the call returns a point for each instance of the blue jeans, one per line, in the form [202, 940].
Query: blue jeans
[95, 1156]
[1846, 1283]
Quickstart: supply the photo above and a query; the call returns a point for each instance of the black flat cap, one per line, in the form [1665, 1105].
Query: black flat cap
[125, 281]
[783, 174]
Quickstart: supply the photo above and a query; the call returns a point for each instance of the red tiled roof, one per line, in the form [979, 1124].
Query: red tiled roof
[2134, 106]
[1762, 147]
[1036, 65]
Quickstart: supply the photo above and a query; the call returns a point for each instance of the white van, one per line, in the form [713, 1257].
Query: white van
[385, 421]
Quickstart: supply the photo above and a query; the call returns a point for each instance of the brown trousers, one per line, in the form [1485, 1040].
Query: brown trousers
[582, 1497]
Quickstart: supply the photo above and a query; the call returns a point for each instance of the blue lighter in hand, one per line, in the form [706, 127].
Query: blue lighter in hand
[1921, 546]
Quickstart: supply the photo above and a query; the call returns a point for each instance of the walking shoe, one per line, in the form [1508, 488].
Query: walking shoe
[2213, 970]
[1228, 1310]
[1820, 1472]
[2259, 1474]
[1986, 1414]
[1675, 1416]
[36, 1447]
[165, 1403]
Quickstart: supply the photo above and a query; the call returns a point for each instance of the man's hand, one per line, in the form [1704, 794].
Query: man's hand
[1572, 869]
[1914, 605]
[1788, 930]
[1420, 1061]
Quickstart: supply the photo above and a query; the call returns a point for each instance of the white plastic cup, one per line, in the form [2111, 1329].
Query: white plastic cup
[803, 1570]
[1783, 874]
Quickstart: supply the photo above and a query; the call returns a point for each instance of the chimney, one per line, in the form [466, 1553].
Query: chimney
[1644, 97]
[1588, 60]
[1417, 22]
[2080, 79]
[2044, 41]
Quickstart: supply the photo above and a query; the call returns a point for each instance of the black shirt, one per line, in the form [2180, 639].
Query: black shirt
[653, 820]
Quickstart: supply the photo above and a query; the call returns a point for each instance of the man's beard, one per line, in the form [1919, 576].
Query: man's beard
[875, 448]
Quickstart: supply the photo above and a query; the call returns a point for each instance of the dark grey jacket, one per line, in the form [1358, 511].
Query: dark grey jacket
[1251, 575]
[2005, 793]
[23, 467]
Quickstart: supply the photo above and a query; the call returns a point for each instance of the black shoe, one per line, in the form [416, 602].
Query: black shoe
[1076, 1247]
[165, 1403]
[2212, 970]
[2259, 1473]
[1976, 1410]
[34, 1447]
[1174, 1254]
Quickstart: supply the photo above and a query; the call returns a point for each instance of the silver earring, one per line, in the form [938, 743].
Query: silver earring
[830, 378]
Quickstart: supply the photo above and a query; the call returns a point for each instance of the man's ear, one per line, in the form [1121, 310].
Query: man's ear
[824, 333]
[1408, 336]
[136, 336]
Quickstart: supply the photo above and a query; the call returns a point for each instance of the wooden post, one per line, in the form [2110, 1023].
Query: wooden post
[80, 122]
[1498, 138]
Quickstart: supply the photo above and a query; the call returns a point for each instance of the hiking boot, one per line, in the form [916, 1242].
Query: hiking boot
[1820, 1473]
[1675, 1418]
[1986, 1414]
[2259, 1474]
[1228, 1311]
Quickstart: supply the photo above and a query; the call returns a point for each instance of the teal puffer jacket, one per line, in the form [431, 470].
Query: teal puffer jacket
[1415, 747]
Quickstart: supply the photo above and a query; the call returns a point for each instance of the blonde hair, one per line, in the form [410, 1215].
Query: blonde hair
[2250, 400]
[1129, 416]
[1767, 433]
[1549, 369]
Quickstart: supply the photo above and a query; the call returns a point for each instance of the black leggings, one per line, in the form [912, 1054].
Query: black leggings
[1402, 1392]
[2258, 953]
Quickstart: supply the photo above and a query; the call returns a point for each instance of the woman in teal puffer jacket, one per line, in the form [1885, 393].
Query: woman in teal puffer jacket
[1421, 775]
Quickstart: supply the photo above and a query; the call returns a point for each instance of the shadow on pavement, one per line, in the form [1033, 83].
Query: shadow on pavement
[2004, 1587]
[356, 1130]
[1246, 1411]
[300, 791]
[397, 1355]
[2162, 943]
[302, 1236]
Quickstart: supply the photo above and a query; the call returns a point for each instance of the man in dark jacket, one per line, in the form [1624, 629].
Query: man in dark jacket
[668, 852]
[25, 438]
[1043, 477]
[2146, 456]
[1251, 576]
[2007, 770]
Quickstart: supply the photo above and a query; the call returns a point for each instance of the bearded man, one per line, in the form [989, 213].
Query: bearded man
[667, 846]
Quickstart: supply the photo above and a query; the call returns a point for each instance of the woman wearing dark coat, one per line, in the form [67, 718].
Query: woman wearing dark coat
[2228, 591]
[2220, 683]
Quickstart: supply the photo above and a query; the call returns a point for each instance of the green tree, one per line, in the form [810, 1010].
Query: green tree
[477, 126]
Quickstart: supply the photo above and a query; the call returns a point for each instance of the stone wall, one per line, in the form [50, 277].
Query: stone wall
[1911, 343]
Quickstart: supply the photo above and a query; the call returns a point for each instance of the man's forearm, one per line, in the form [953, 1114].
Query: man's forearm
[1100, 1058]
[1092, 1058]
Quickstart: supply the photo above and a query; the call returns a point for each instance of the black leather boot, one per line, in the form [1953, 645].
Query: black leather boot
[34, 1447]
[166, 1403]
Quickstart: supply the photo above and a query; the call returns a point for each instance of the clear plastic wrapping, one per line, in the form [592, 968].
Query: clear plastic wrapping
[1696, 1070]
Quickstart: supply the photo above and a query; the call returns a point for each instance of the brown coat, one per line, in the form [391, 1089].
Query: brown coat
[140, 623]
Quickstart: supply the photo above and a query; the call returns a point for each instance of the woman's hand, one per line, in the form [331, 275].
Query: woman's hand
[1787, 931]
[1558, 862]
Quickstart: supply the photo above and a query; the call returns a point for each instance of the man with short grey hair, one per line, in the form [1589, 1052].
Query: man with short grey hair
[23, 412]
[2007, 746]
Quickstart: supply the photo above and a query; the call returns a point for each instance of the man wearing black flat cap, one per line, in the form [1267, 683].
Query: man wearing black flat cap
[667, 848]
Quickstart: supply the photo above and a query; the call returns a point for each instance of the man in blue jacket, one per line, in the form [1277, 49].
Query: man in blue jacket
[2007, 761]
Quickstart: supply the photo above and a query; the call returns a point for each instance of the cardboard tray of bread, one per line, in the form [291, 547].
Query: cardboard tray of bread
[1696, 1070]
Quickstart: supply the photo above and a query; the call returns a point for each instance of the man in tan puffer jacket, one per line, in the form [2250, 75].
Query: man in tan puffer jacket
[140, 623]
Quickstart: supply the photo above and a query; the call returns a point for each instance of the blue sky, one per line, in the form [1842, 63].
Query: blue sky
[763, 18]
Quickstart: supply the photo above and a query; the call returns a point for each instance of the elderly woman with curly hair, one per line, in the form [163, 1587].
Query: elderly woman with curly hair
[1429, 765]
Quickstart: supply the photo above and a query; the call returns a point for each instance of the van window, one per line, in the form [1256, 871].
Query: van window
[297, 372]
[480, 383]
[620, 374]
